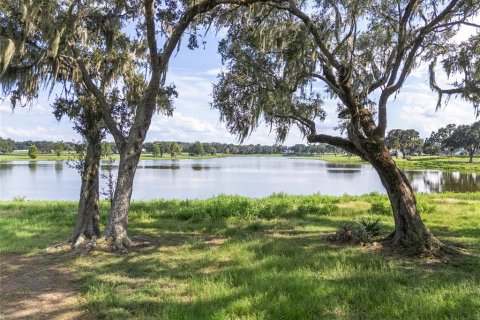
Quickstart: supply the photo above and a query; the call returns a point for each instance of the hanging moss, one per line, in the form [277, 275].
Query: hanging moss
[54, 44]
[7, 50]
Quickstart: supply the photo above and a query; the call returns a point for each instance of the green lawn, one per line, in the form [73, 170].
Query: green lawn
[456, 163]
[23, 156]
[238, 258]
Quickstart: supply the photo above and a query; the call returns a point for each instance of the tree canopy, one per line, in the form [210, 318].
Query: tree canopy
[407, 141]
[466, 137]
[283, 58]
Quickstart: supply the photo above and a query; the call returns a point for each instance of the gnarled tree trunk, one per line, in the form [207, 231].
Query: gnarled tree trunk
[410, 231]
[117, 222]
[87, 224]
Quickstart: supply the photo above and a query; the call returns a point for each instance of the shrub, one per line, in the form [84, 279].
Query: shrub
[425, 207]
[372, 227]
[307, 208]
[360, 232]
[19, 199]
[381, 207]
[328, 209]
[216, 208]
[33, 152]
[274, 207]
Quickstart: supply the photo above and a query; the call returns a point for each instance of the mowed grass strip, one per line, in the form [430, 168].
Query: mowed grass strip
[232, 257]
[453, 163]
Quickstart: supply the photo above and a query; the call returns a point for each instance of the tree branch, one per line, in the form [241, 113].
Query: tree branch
[334, 141]
[314, 32]
[152, 41]
[393, 84]
[104, 107]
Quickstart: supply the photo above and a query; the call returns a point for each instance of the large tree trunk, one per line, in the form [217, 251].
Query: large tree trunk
[471, 153]
[87, 224]
[117, 222]
[410, 232]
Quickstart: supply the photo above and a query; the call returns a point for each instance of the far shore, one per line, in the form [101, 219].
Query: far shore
[444, 163]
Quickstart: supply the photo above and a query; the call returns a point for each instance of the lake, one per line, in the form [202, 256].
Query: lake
[204, 178]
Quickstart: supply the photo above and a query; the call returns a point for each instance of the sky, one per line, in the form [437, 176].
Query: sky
[194, 72]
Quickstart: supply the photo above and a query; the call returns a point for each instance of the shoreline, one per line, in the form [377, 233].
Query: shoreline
[442, 163]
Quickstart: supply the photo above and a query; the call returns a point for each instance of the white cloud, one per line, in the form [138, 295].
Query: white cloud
[179, 123]
[31, 109]
[416, 109]
[192, 90]
[37, 133]
[213, 72]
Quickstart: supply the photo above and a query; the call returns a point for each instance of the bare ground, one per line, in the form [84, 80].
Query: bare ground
[38, 287]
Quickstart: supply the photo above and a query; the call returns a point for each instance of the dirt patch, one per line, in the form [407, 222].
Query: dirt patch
[38, 287]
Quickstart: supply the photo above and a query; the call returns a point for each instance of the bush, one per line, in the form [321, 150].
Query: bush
[33, 152]
[274, 207]
[372, 227]
[216, 208]
[19, 199]
[360, 232]
[328, 209]
[308, 208]
[381, 207]
[425, 207]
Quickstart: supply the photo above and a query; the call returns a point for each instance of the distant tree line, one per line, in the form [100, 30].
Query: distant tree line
[445, 141]
[173, 148]
[9, 145]
[197, 148]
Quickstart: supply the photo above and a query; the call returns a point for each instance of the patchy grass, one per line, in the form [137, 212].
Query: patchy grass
[23, 156]
[240, 258]
[456, 163]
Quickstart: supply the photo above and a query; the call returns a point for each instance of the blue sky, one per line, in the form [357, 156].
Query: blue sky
[194, 72]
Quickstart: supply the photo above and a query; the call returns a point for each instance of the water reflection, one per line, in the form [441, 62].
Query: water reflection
[58, 166]
[6, 165]
[165, 167]
[199, 167]
[344, 171]
[33, 166]
[343, 165]
[443, 181]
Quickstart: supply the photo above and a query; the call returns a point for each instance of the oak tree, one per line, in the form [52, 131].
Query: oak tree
[89, 44]
[283, 58]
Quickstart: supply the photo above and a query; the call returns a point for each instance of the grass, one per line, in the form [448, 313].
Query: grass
[456, 163]
[23, 156]
[232, 257]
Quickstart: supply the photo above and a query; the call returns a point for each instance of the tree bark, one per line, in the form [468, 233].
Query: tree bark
[117, 222]
[88, 218]
[471, 153]
[410, 231]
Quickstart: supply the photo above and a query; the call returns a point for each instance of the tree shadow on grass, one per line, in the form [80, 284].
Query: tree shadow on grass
[295, 276]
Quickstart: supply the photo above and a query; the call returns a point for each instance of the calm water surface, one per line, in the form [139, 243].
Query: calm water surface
[204, 178]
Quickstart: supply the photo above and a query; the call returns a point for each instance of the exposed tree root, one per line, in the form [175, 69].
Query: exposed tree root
[121, 244]
[427, 245]
[109, 244]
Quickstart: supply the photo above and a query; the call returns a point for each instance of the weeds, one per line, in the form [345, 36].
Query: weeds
[381, 208]
[357, 232]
